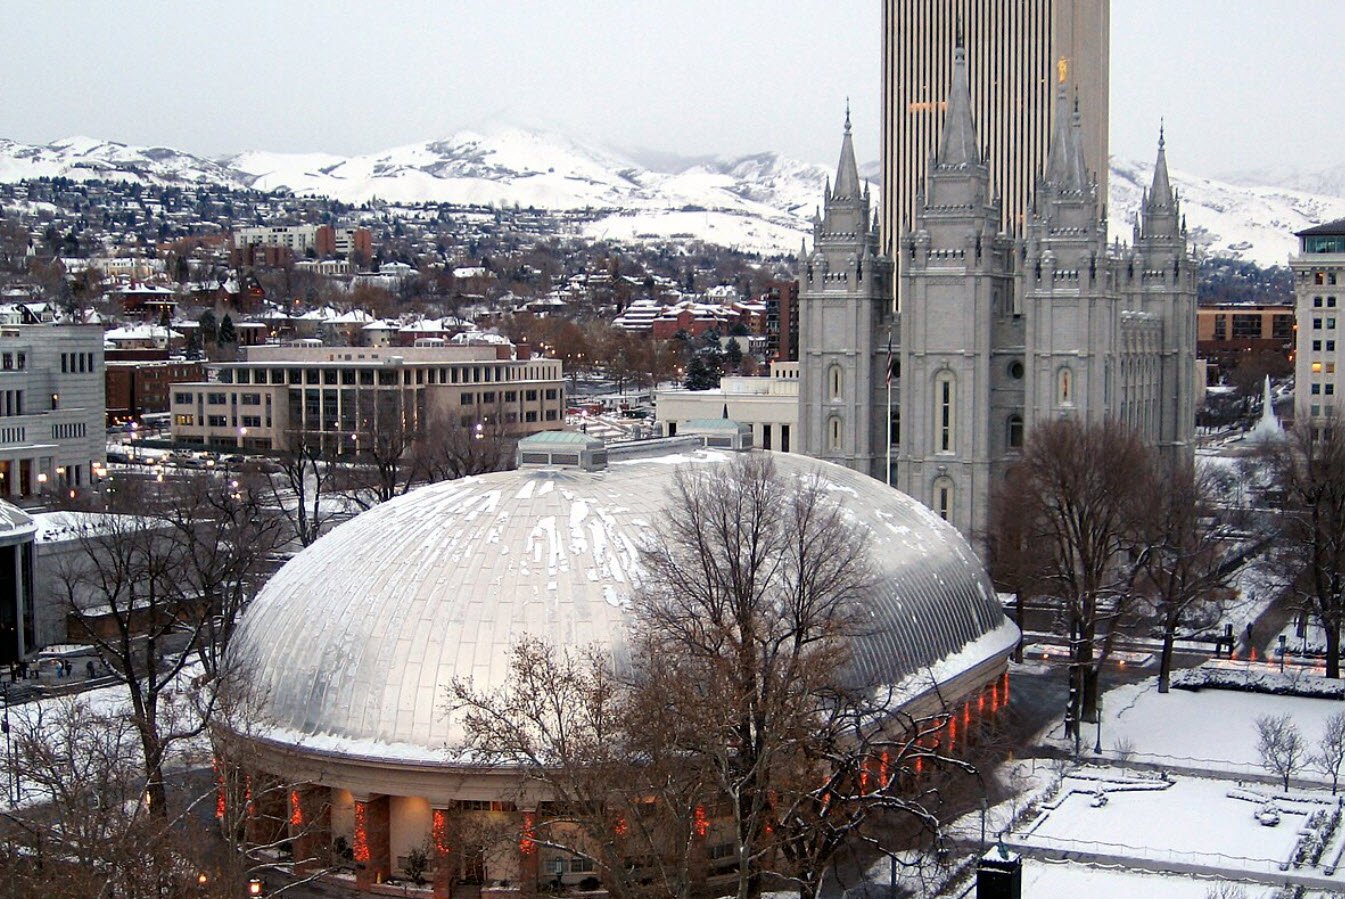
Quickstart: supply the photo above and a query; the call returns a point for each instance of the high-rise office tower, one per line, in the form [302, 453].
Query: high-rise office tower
[1017, 51]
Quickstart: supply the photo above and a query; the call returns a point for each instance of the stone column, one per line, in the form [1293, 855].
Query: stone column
[698, 868]
[267, 810]
[443, 840]
[528, 854]
[373, 851]
[310, 827]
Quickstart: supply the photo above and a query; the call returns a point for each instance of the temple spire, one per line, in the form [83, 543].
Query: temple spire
[1160, 194]
[847, 172]
[1066, 169]
[957, 144]
[1159, 212]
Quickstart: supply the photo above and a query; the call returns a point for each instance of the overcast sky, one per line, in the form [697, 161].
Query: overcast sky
[1242, 83]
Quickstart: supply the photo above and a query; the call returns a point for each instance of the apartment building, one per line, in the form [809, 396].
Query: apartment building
[1319, 293]
[339, 398]
[273, 245]
[51, 407]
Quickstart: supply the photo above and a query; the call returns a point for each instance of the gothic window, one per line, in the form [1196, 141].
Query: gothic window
[943, 497]
[1065, 387]
[896, 426]
[945, 412]
[835, 381]
[1015, 432]
[834, 433]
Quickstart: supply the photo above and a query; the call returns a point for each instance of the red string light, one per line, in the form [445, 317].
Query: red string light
[440, 832]
[361, 848]
[701, 823]
[527, 843]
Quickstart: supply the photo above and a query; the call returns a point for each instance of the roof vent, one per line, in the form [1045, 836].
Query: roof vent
[562, 449]
[720, 433]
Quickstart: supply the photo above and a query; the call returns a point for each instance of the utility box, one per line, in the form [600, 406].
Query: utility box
[999, 875]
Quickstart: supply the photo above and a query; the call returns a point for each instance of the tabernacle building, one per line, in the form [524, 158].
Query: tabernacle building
[352, 646]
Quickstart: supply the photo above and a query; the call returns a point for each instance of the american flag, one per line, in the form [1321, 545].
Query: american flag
[889, 357]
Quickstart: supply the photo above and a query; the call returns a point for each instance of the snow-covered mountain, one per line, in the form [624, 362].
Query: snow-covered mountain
[1253, 222]
[760, 202]
[91, 159]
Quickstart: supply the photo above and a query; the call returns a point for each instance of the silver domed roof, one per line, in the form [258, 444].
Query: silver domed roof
[353, 644]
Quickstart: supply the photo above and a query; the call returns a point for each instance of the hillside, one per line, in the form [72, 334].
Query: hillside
[760, 202]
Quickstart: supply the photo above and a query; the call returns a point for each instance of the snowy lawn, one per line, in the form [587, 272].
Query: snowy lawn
[1190, 820]
[1212, 729]
[49, 717]
[1068, 879]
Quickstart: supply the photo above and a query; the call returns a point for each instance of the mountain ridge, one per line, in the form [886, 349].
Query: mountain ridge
[761, 202]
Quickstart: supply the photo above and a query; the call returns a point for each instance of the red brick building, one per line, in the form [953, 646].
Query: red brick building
[139, 381]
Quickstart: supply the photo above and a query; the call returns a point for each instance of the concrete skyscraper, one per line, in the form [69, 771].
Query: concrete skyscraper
[1018, 50]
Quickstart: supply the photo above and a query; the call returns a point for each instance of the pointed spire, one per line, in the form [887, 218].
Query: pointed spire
[1066, 170]
[957, 144]
[847, 173]
[1161, 198]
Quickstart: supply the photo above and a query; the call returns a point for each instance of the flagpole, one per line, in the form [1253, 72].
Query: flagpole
[889, 407]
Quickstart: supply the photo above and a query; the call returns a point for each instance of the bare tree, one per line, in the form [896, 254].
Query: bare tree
[1330, 754]
[383, 461]
[457, 448]
[746, 617]
[301, 489]
[1017, 561]
[226, 533]
[1310, 470]
[1186, 564]
[1280, 746]
[1084, 487]
[124, 585]
[618, 793]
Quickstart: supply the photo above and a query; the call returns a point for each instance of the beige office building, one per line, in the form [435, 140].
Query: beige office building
[339, 397]
[1015, 50]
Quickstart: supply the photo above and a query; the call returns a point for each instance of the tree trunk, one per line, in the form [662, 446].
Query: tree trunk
[1332, 629]
[1165, 661]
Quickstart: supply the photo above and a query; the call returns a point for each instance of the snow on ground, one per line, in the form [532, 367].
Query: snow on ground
[1188, 821]
[178, 712]
[1042, 878]
[1212, 729]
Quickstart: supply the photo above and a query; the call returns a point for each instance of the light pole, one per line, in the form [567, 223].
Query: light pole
[12, 794]
[1097, 747]
[1283, 651]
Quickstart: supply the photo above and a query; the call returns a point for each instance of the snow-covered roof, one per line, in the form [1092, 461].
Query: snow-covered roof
[441, 583]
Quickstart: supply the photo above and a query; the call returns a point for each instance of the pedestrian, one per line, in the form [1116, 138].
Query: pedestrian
[88, 669]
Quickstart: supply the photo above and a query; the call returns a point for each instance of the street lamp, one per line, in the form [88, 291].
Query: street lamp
[1097, 748]
[1283, 651]
[11, 788]
[255, 886]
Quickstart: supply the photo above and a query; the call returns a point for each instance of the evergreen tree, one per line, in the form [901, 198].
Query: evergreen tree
[209, 329]
[733, 357]
[226, 331]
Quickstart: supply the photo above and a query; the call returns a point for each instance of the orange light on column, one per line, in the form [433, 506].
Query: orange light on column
[221, 800]
[361, 847]
[296, 809]
[527, 843]
[439, 828]
[701, 822]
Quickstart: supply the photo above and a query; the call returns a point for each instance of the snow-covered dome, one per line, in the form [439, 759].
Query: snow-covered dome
[352, 645]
